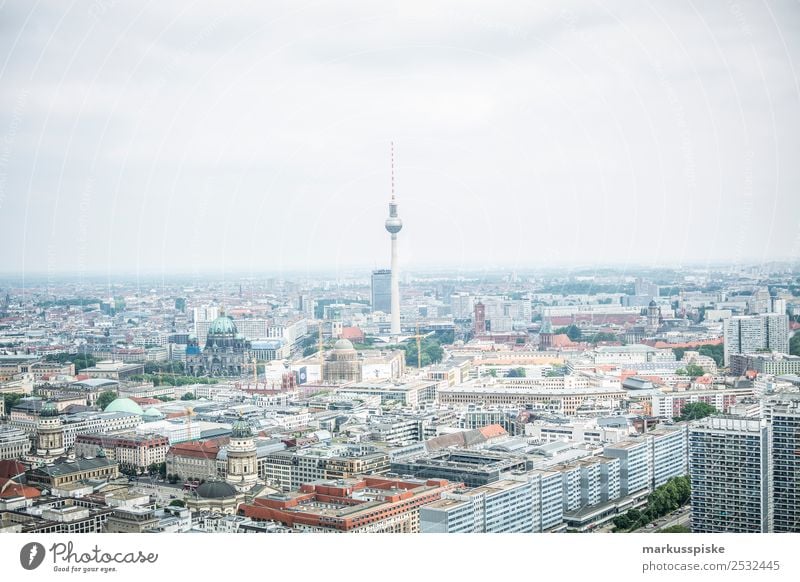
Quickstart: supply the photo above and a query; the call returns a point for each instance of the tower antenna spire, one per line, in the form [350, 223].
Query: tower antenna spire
[392, 148]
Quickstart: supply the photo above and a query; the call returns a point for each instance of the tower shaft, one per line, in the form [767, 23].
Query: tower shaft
[395, 284]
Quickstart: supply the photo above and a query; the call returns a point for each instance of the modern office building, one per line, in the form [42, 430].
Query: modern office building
[730, 475]
[382, 290]
[473, 468]
[786, 465]
[749, 334]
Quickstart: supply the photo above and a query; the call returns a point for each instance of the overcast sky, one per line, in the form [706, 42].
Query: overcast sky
[254, 137]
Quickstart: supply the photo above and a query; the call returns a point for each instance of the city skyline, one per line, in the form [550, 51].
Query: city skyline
[207, 141]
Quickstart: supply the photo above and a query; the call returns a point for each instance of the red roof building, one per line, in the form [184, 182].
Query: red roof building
[369, 504]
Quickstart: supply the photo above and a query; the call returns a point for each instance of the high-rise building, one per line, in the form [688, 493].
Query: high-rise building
[393, 225]
[479, 321]
[756, 333]
[730, 475]
[382, 290]
[786, 465]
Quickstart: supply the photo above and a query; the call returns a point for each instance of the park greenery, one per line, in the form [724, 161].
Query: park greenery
[691, 370]
[159, 469]
[665, 499]
[11, 399]
[516, 373]
[106, 398]
[81, 361]
[167, 380]
[602, 337]
[170, 367]
[696, 411]
[431, 350]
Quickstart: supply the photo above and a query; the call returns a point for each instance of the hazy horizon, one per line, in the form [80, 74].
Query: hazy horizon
[194, 139]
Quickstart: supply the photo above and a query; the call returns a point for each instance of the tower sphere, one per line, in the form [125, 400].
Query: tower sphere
[394, 224]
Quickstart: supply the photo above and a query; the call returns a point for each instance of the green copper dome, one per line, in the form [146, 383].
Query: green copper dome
[241, 429]
[223, 325]
[48, 409]
[124, 405]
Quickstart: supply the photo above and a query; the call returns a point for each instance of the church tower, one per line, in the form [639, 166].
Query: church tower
[49, 433]
[653, 317]
[242, 459]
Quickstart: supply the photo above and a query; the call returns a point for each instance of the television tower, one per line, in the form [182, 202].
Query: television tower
[394, 225]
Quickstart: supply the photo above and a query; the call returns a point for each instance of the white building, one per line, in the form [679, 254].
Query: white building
[748, 334]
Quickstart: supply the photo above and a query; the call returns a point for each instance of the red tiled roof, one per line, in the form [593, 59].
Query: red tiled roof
[492, 431]
[10, 468]
[9, 489]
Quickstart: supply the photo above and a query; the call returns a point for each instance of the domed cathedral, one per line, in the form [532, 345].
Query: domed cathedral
[242, 471]
[225, 354]
[49, 433]
[341, 364]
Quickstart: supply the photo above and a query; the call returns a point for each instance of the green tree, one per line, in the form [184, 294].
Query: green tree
[11, 400]
[516, 373]
[679, 352]
[434, 352]
[794, 345]
[177, 503]
[694, 371]
[696, 411]
[574, 333]
[714, 351]
[188, 396]
[603, 337]
[106, 398]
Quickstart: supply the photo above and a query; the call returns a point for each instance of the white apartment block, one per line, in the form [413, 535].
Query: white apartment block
[634, 465]
[508, 506]
[748, 334]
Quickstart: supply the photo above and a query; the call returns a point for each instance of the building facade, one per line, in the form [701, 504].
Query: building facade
[730, 475]
[381, 290]
[786, 466]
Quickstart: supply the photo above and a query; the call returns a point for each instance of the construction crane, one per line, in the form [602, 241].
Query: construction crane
[419, 337]
[321, 353]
